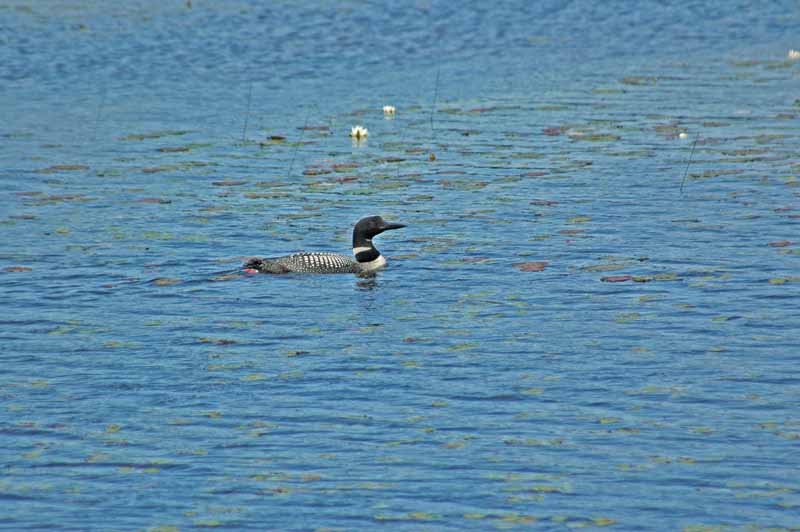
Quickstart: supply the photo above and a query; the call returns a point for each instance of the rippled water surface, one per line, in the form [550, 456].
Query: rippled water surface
[563, 337]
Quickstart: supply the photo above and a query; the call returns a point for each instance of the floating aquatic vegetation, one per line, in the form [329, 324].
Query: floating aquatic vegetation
[156, 135]
[494, 108]
[670, 131]
[579, 220]
[228, 277]
[58, 198]
[253, 377]
[163, 281]
[592, 137]
[273, 139]
[553, 107]
[63, 168]
[610, 267]
[156, 169]
[616, 278]
[555, 131]
[783, 280]
[536, 266]
[526, 155]
[17, 269]
[316, 171]
[639, 80]
[604, 90]
[708, 174]
[160, 201]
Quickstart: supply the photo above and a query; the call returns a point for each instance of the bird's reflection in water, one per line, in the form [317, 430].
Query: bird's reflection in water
[367, 282]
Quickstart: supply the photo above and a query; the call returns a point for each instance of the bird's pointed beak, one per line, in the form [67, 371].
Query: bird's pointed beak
[388, 226]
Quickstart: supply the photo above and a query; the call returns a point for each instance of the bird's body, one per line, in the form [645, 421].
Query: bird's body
[367, 257]
[306, 262]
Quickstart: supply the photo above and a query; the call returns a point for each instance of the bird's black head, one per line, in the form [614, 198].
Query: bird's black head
[371, 226]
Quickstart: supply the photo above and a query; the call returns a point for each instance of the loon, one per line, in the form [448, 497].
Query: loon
[367, 258]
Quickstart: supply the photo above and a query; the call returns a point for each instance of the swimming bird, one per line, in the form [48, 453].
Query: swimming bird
[367, 257]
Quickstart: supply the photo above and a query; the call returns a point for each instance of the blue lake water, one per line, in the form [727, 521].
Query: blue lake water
[563, 337]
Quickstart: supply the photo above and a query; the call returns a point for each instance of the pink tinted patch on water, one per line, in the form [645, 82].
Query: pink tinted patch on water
[250, 270]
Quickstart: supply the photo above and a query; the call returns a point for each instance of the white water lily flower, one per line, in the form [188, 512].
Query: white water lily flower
[359, 132]
[682, 135]
[794, 55]
[388, 109]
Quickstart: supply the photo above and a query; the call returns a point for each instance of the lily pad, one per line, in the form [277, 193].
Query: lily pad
[145, 136]
[535, 266]
[617, 278]
[163, 281]
[63, 168]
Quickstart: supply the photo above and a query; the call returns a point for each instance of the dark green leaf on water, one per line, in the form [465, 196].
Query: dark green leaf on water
[274, 139]
[746, 63]
[157, 169]
[493, 109]
[666, 277]
[774, 65]
[348, 167]
[601, 90]
[59, 198]
[145, 136]
[265, 195]
[746, 151]
[217, 341]
[316, 171]
[596, 137]
[163, 281]
[161, 201]
[536, 266]
[63, 168]
[272, 184]
[770, 138]
[708, 174]
[639, 80]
